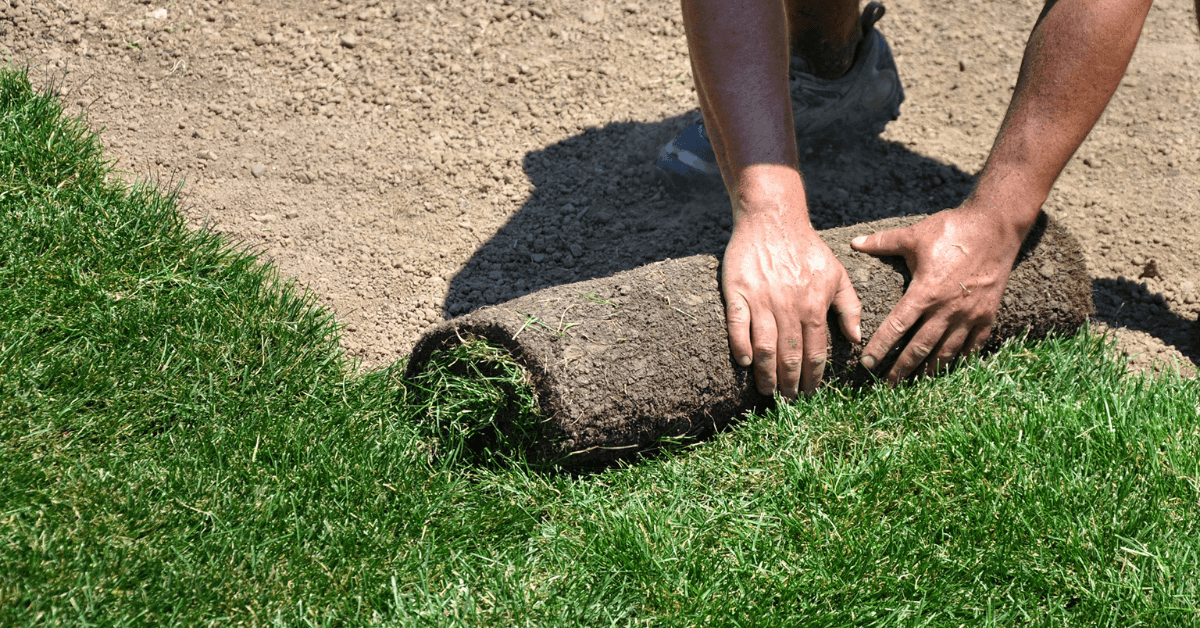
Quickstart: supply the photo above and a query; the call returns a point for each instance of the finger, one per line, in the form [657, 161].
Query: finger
[849, 310]
[816, 339]
[890, 242]
[918, 350]
[737, 321]
[791, 360]
[899, 321]
[947, 350]
[977, 338]
[764, 334]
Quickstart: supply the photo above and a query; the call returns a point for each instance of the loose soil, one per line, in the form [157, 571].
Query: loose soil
[412, 161]
[621, 362]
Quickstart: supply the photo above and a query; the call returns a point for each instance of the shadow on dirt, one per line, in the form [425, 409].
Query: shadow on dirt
[597, 207]
[1129, 304]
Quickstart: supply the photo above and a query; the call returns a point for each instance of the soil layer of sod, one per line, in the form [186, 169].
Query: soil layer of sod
[622, 363]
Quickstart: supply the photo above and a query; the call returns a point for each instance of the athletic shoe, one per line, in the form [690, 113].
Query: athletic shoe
[863, 100]
[688, 163]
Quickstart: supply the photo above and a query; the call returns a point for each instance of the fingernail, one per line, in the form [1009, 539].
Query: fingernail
[868, 362]
[858, 332]
[859, 240]
[744, 360]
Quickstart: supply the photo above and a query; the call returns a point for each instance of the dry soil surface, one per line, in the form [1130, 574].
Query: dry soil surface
[410, 161]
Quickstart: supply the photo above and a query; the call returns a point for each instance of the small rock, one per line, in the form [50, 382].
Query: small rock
[1048, 269]
[576, 250]
[575, 74]
[593, 15]
[159, 14]
[207, 155]
[258, 170]
[349, 40]
[1150, 270]
[261, 39]
[1186, 286]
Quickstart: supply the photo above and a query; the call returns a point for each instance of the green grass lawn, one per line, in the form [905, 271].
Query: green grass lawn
[182, 442]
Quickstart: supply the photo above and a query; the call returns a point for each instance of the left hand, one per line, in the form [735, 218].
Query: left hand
[960, 260]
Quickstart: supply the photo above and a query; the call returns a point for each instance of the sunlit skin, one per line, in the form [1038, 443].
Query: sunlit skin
[780, 280]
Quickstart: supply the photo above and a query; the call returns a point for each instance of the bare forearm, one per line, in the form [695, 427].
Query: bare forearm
[739, 60]
[1073, 63]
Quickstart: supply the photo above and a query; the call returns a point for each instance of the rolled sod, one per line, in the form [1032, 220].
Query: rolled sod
[624, 363]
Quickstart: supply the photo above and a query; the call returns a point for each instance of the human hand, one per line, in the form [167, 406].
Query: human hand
[779, 280]
[960, 260]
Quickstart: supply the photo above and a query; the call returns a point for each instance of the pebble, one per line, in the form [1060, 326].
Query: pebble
[349, 40]
[207, 155]
[262, 39]
[593, 15]
[258, 170]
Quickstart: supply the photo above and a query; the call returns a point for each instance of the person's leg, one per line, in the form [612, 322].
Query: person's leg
[848, 84]
[825, 34]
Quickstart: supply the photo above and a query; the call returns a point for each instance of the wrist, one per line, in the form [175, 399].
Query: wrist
[769, 189]
[1008, 199]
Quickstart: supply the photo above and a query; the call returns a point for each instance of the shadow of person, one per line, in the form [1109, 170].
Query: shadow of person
[1130, 304]
[598, 208]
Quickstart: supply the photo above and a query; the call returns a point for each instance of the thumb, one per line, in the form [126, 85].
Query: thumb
[891, 242]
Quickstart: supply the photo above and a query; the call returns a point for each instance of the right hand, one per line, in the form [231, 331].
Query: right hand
[779, 280]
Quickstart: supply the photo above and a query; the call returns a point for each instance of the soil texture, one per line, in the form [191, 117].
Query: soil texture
[622, 362]
[413, 161]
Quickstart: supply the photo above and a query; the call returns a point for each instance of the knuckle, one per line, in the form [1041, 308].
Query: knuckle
[791, 364]
[896, 326]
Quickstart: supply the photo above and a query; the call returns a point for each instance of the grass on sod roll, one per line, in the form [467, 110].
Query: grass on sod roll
[183, 443]
[478, 404]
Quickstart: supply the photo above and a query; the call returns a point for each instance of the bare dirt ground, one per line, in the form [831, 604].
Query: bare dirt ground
[410, 161]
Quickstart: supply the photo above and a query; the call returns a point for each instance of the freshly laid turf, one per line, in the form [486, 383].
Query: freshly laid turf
[182, 442]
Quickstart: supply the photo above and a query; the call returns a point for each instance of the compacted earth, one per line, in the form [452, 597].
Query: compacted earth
[412, 161]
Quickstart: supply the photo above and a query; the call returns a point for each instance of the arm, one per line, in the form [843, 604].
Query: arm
[960, 258]
[778, 278]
